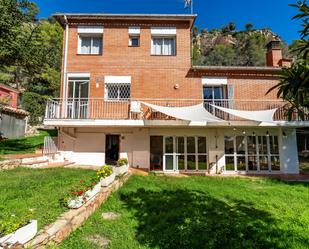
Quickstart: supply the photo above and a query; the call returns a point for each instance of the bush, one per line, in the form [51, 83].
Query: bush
[104, 172]
[122, 162]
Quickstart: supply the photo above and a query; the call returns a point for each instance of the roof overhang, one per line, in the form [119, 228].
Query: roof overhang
[60, 17]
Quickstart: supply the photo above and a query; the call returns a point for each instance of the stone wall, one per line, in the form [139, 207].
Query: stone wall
[9, 164]
[71, 220]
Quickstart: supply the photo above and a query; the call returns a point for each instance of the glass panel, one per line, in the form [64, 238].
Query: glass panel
[218, 93]
[262, 143]
[181, 162]
[252, 163]
[180, 144]
[275, 163]
[85, 45]
[191, 162]
[201, 145]
[273, 142]
[96, 45]
[202, 162]
[134, 41]
[263, 163]
[70, 92]
[241, 163]
[169, 145]
[112, 91]
[83, 90]
[207, 92]
[240, 144]
[229, 163]
[156, 153]
[251, 141]
[190, 144]
[169, 164]
[124, 91]
[157, 46]
[229, 145]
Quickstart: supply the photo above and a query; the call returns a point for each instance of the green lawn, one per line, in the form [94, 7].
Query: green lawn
[201, 212]
[25, 145]
[22, 189]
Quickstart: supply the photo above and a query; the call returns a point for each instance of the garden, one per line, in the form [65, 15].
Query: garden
[199, 212]
[33, 198]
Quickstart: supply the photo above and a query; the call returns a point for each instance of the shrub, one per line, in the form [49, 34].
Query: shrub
[104, 172]
[122, 162]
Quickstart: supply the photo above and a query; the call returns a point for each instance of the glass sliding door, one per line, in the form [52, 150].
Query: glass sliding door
[180, 153]
[169, 154]
[78, 98]
[156, 153]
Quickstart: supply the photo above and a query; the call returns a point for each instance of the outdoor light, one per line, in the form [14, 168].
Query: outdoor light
[244, 132]
[267, 133]
[284, 134]
[253, 134]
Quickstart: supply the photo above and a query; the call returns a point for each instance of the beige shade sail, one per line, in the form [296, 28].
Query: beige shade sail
[260, 116]
[189, 113]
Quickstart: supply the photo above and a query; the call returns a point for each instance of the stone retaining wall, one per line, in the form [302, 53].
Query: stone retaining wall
[69, 221]
[9, 164]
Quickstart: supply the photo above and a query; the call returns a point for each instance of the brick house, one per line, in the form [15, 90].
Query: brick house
[129, 90]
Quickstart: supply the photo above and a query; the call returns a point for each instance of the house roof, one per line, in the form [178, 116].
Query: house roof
[60, 17]
[8, 109]
[9, 88]
[238, 70]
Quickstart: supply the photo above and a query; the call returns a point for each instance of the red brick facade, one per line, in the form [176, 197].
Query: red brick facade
[156, 76]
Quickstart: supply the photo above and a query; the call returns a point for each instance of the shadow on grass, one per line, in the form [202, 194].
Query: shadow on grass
[192, 219]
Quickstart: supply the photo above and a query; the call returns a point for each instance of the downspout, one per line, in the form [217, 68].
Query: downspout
[64, 81]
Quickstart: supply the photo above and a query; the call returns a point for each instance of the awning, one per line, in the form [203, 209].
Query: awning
[260, 116]
[189, 113]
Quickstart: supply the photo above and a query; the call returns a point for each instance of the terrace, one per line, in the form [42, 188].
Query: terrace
[141, 110]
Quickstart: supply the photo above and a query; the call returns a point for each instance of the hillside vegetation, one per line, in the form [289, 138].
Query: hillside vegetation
[228, 47]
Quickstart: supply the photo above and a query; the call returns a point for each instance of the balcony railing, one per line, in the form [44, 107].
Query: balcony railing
[134, 109]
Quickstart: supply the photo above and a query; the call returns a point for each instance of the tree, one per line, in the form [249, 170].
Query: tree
[294, 84]
[231, 26]
[196, 55]
[249, 27]
[221, 55]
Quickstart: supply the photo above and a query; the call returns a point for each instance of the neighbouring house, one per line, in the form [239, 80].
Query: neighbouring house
[13, 120]
[129, 90]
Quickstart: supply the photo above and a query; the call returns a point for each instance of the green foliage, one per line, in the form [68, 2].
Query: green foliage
[104, 172]
[35, 104]
[221, 55]
[25, 145]
[9, 222]
[22, 189]
[196, 55]
[122, 162]
[201, 212]
[249, 27]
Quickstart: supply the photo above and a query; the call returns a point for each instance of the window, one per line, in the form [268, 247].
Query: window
[214, 92]
[163, 46]
[252, 153]
[134, 40]
[117, 91]
[90, 44]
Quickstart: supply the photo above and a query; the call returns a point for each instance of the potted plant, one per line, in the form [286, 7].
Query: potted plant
[15, 229]
[122, 166]
[82, 192]
[106, 175]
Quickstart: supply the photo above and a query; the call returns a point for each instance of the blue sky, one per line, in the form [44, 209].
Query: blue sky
[275, 14]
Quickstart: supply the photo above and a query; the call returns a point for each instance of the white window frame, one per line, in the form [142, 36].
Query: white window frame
[115, 84]
[175, 154]
[174, 52]
[92, 36]
[269, 155]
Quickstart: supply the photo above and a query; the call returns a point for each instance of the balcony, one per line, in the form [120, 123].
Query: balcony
[137, 109]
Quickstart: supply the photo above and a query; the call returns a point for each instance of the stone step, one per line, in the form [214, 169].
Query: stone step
[57, 165]
[36, 164]
[33, 159]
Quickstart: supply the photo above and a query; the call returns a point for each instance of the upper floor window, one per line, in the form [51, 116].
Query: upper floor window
[90, 39]
[163, 46]
[134, 40]
[90, 44]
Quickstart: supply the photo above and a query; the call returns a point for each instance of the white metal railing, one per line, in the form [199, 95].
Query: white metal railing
[50, 146]
[122, 109]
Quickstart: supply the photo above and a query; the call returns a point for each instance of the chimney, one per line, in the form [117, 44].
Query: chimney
[274, 54]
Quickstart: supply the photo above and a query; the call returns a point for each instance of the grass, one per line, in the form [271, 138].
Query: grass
[25, 145]
[22, 189]
[201, 212]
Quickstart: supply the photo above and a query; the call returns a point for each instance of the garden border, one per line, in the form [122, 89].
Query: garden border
[69, 221]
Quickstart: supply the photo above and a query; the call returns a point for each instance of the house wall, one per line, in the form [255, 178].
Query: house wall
[87, 145]
[154, 76]
[11, 94]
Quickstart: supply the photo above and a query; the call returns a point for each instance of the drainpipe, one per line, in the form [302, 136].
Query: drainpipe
[64, 76]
